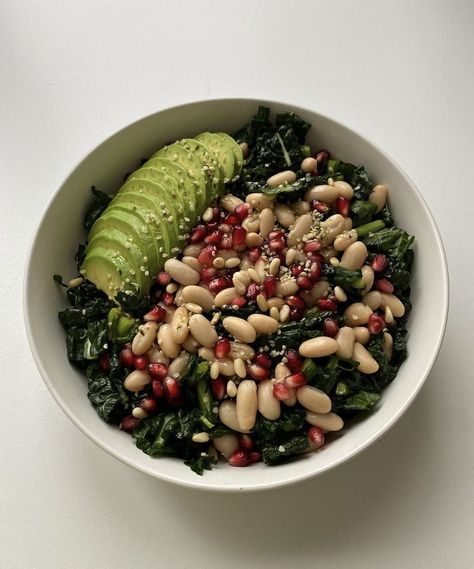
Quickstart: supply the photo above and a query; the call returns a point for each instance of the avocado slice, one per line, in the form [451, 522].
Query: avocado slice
[109, 271]
[189, 168]
[164, 204]
[211, 165]
[236, 151]
[141, 269]
[222, 150]
[183, 201]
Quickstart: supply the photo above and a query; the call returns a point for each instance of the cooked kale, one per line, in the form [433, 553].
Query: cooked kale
[96, 207]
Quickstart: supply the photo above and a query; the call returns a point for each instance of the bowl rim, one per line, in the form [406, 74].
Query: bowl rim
[444, 281]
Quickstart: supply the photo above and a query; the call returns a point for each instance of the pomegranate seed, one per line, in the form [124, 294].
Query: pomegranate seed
[294, 361]
[296, 380]
[329, 304]
[239, 458]
[319, 206]
[245, 442]
[316, 436]
[242, 210]
[207, 255]
[126, 357]
[343, 206]
[254, 254]
[312, 247]
[213, 238]
[176, 401]
[216, 213]
[281, 391]
[211, 226]
[239, 301]
[296, 270]
[276, 245]
[317, 257]
[376, 324]
[140, 362]
[316, 271]
[253, 290]
[379, 263]
[226, 242]
[104, 362]
[255, 456]
[149, 405]
[172, 388]
[218, 284]
[157, 388]
[275, 235]
[269, 285]
[232, 219]
[330, 327]
[167, 298]
[296, 313]
[238, 236]
[163, 278]
[218, 387]
[304, 283]
[128, 423]
[157, 370]
[295, 302]
[222, 348]
[207, 274]
[263, 360]
[322, 156]
[198, 234]
[257, 372]
[156, 314]
[383, 285]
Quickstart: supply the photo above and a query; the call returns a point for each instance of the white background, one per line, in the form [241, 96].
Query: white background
[72, 73]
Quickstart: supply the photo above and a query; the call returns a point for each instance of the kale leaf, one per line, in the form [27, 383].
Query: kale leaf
[392, 240]
[362, 212]
[273, 454]
[203, 462]
[350, 281]
[96, 208]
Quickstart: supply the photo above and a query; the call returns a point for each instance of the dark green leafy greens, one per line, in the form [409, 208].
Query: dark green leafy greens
[96, 208]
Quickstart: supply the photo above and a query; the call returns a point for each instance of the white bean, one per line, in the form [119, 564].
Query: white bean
[388, 345]
[301, 227]
[226, 366]
[240, 329]
[245, 149]
[344, 240]
[240, 369]
[144, 338]
[226, 445]
[332, 227]
[286, 288]
[136, 380]
[378, 196]
[202, 330]
[179, 325]
[318, 347]
[309, 164]
[372, 299]
[313, 399]
[253, 240]
[198, 295]
[368, 277]
[190, 344]
[323, 193]
[268, 405]
[263, 324]
[345, 340]
[357, 314]
[267, 221]
[230, 202]
[367, 364]
[241, 350]
[362, 335]
[193, 263]
[284, 215]
[225, 297]
[246, 404]
[354, 256]
[167, 344]
[286, 177]
[395, 304]
[300, 207]
[200, 437]
[181, 273]
[178, 365]
[193, 250]
[282, 371]
[259, 201]
[345, 190]
[325, 421]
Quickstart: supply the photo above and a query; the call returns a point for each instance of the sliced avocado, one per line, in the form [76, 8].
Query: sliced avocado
[141, 268]
[185, 205]
[210, 162]
[165, 206]
[236, 150]
[150, 232]
[109, 271]
[222, 150]
[191, 169]
[163, 231]
[127, 223]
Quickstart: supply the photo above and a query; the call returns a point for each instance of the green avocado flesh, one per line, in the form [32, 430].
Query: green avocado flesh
[150, 218]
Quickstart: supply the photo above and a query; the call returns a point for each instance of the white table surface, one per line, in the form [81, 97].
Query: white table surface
[72, 73]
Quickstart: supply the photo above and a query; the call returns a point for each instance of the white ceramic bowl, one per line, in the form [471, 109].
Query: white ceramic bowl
[60, 231]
